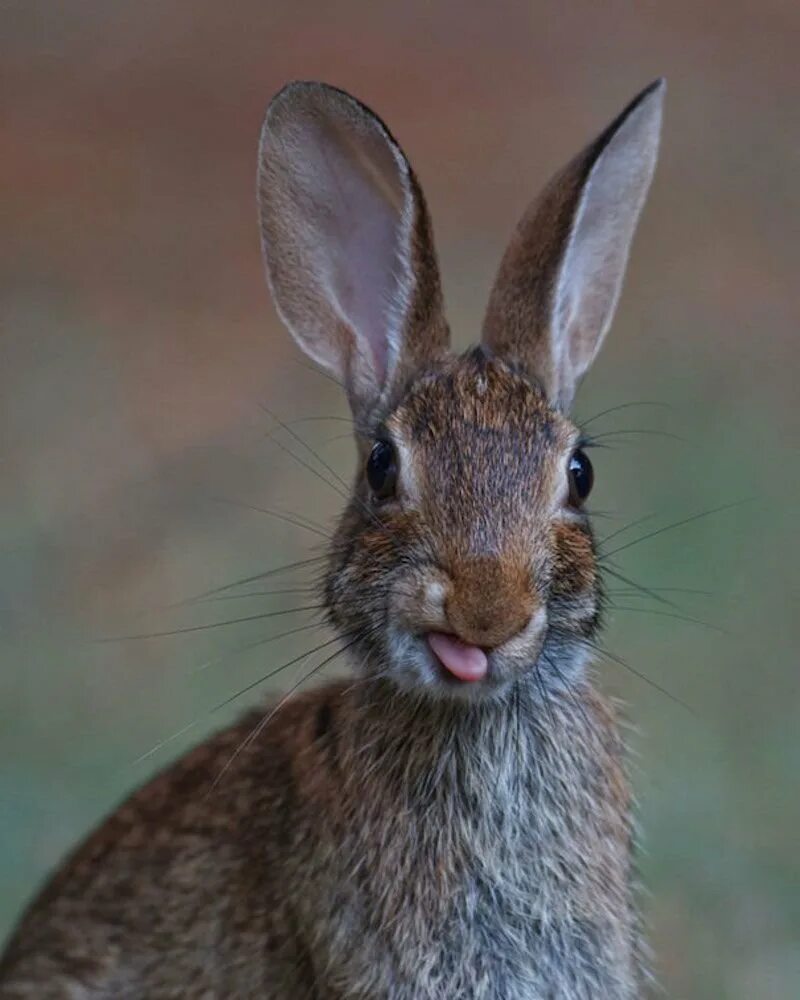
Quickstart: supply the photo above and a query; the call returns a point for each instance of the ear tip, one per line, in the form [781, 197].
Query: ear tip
[651, 97]
[659, 85]
[297, 95]
[304, 101]
[641, 116]
[303, 96]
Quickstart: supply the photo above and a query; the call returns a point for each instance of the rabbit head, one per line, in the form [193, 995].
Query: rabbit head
[464, 559]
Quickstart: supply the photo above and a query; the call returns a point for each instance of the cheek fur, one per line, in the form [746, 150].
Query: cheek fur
[574, 562]
[365, 558]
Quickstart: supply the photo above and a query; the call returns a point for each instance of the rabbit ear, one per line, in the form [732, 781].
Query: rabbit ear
[347, 242]
[558, 284]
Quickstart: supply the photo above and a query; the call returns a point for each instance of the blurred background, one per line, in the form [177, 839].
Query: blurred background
[144, 376]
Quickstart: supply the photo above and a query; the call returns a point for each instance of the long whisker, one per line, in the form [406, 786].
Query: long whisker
[195, 722]
[272, 673]
[645, 591]
[623, 406]
[165, 742]
[624, 528]
[677, 524]
[255, 645]
[265, 721]
[605, 514]
[307, 465]
[209, 625]
[692, 591]
[337, 437]
[295, 519]
[243, 581]
[348, 493]
[304, 444]
[261, 593]
[637, 673]
[671, 614]
[309, 420]
[636, 432]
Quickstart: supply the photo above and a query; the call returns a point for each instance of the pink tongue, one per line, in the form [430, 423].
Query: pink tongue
[467, 663]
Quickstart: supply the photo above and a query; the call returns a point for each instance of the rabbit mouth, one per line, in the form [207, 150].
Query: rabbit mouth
[461, 660]
[445, 665]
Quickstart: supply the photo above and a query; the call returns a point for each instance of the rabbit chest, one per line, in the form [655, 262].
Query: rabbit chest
[496, 869]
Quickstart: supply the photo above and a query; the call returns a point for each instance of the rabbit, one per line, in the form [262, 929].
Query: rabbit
[456, 823]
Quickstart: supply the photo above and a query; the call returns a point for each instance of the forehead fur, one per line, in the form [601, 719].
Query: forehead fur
[482, 393]
[487, 451]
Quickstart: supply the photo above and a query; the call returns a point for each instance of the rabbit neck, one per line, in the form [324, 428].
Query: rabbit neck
[510, 817]
[495, 763]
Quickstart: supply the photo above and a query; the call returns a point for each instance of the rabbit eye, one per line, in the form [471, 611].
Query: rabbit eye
[581, 477]
[382, 470]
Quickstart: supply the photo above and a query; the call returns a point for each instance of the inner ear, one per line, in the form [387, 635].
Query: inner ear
[359, 198]
[347, 242]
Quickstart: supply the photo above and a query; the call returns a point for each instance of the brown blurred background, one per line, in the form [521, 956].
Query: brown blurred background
[139, 346]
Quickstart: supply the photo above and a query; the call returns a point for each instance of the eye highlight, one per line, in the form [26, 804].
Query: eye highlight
[382, 470]
[581, 477]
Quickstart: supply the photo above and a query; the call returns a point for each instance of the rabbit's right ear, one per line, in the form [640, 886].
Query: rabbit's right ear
[347, 243]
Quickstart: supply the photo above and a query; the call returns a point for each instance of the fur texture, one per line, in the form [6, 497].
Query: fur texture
[406, 836]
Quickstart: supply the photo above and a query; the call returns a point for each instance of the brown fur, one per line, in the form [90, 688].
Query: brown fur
[406, 836]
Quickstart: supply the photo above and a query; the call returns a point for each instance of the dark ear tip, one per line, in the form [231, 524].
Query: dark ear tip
[650, 101]
[660, 83]
[299, 95]
[653, 91]
[301, 99]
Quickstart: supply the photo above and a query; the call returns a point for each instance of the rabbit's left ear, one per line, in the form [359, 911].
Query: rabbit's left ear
[558, 285]
[347, 243]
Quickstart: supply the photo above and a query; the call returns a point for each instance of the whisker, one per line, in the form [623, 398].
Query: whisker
[646, 591]
[692, 591]
[296, 519]
[265, 721]
[255, 578]
[309, 420]
[255, 645]
[195, 722]
[606, 515]
[623, 406]
[272, 673]
[644, 432]
[624, 528]
[637, 673]
[301, 441]
[209, 625]
[165, 742]
[261, 593]
[678, 524]
[307, 465]
[337, 437]
[348, 494]
[670, 614]
[358, 681]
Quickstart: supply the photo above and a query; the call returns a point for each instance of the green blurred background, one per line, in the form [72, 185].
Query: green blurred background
[138, 348]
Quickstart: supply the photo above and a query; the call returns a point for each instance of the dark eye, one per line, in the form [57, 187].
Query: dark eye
[382, 470]
[581, 477]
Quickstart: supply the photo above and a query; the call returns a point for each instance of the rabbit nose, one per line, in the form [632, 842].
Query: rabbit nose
[489, 602]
